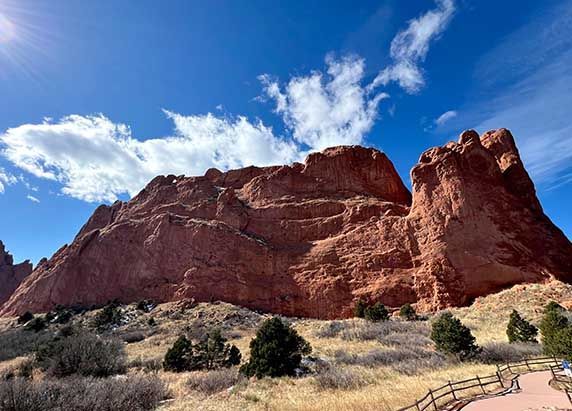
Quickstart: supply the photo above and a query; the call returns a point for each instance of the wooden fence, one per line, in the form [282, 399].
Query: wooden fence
[563, 381]
[502, 380]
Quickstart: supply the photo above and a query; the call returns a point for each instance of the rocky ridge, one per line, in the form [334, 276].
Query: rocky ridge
[310, 239]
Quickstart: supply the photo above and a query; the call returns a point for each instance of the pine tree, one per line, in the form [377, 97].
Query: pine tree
[407, 312]
[520, 330]
[452, 337]
[359, 309]
[376, 313]
[552, 325]
[179, 357]
[276, 350]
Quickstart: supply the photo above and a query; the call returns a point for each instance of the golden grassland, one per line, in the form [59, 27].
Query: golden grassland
[386, 386]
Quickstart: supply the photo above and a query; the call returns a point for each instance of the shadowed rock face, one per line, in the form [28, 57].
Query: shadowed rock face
[11, 275]
[310, 239]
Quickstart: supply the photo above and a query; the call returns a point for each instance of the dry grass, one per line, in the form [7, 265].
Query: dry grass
[385, 376]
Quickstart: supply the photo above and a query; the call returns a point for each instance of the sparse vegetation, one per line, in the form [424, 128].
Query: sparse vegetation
[519, 330]
[452, 337]
[211, 382]
[82, 353]
[24, 318]
[501, 352]
[133, 393]
[276, 350]
[335, 378]
[36, 324]
[109, 316]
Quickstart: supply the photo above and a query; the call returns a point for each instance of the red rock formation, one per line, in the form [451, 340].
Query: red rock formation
[310, 239]
[11, 275]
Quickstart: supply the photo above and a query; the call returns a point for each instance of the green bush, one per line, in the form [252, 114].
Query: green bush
[520, 330]
[24, 318]
[452, 337]
[407, 312]
[555, 327]
[359, 309]
[276, 350]
[211, 352]
[36, 324]
[376, 313]
[109, 316]
[179, 357]
[82, 353]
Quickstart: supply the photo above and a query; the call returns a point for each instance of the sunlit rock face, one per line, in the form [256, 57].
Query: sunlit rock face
[311, 239]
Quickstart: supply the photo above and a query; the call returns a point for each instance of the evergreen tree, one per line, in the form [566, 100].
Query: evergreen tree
[359, 309]
[276, 350]
[520, 330]
[407, 312]
[552, 325]
[376, 313]
[179, 357]
[452, 337]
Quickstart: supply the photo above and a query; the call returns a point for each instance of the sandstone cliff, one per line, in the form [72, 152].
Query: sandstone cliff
[310, 239]
[11, 275]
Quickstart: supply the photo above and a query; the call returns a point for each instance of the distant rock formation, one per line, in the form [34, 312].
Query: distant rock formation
[11, 275]
[311, 239]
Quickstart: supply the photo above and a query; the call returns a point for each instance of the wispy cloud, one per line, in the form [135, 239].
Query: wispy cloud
[325, 109]
[6, 179]
[410, 47]
[32, 198]
[445, 117]
[530, 98]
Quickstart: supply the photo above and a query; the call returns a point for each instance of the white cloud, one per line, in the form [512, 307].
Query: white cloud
[446, 116]
[6, 179]
[410, 46]
[322, 110]
[32, 198]
[97, 160]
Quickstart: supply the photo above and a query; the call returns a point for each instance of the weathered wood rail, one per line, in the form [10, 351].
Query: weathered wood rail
[504, 379]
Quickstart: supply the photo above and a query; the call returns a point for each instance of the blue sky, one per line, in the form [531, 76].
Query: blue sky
[98, 97]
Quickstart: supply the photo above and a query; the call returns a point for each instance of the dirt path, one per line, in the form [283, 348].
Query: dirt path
[535, 394]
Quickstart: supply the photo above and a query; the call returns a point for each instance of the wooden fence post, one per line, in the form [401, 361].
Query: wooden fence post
[433, 400]
[453, 391]
[527, 364]
[481, 385]
[508, 367]
[500, 379]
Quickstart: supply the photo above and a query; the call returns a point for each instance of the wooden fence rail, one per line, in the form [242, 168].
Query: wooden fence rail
[503, 379]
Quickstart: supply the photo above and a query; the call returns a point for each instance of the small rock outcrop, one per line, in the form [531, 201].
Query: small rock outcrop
[311, 239]
[11, 275]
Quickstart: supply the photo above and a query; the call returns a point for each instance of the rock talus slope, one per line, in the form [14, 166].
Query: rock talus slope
[310, 239]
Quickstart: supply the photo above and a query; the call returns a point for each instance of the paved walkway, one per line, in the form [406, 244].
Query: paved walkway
[535, 394]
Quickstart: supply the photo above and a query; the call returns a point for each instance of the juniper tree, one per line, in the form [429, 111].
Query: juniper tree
[520, 330]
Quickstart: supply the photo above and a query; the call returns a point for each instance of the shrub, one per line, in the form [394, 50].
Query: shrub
[452, 337]
[24, 318]
[151, 322]
[276, 350]
[146, 306]
[333, 378]
[36, 324]
[365, 331]
[376, 313]
[407, 312]
[210, 353]
[330, 329]
[561, 343]
[215, 381]
[19, 342]
[133, 337]
[494, 353]
[359, 309]
[83, 354]
[62, 315]
[146, 365]
[520, 330]
[133, 393]
[109, 316]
